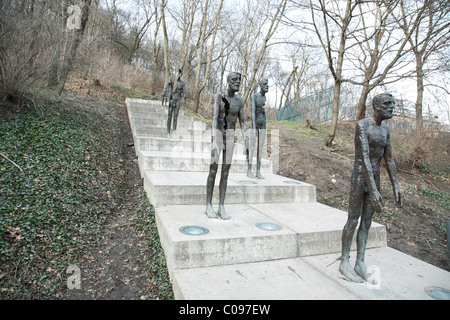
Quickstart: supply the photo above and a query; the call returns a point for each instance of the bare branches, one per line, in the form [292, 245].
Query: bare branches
[1, 154]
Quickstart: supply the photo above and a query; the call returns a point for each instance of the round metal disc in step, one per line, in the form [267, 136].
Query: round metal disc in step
[194, 230]
[291, 182]
[248, 182]
[438, 293]
[269, 226]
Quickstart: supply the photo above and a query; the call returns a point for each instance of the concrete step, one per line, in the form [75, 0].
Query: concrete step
[174, 188]
[145, 143]
[191, 161]
[162, 122]
[151, 109]
[161, 117]
[236, 259]
[305, 229]
[186, 132]
[400, 277]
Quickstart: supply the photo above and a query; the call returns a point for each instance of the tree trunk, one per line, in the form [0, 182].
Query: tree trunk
[272, 29]
[361, 110]
[335, 114]
[52, 81]
[68, 59]
[419, 101]
[155, 51]
[199, 88]
[338, 73]
[166, 43]
[200, 58]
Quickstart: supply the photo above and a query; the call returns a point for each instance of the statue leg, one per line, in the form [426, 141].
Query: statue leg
[362, 236]
[226, 165]
[261, 140]
[354, 211]
[210, 188]
[223, 191]
[176, 108]
[251, 152]
[169, 118]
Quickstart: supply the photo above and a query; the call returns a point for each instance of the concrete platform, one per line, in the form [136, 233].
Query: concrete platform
[400, 277]
[177, 188]
[304, 229]
[136, 122]
[191, 161]
[188, 144]
[236, 259]
[161, 117]
[191, 131]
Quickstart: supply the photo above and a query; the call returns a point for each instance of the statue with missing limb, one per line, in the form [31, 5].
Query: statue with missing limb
[372, 144]
[228, 108]
[167, 91]
[258, 131]
[174, 104]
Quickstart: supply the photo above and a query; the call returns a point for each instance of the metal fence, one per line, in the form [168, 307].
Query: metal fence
[316, 108]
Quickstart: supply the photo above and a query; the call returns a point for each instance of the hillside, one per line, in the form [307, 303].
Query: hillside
[418, 228]
[80, 200]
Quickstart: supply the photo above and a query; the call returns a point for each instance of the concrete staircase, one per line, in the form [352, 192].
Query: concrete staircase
[279, 243]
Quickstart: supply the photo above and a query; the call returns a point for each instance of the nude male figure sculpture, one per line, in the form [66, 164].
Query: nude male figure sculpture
[259, 128]
[372, 144]
[228, 108]
[167, 91]
[174, 104]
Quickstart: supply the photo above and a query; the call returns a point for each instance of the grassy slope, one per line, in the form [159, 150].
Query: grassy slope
[55, 206]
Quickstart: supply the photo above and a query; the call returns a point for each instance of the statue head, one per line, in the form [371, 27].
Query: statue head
[234, 81]
[384, 104]
[264, 85]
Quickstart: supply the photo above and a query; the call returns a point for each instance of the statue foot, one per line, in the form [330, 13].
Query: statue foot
[259, 175]
[346, 269]
[222, 213]
[210, 212]
[361, 270]
[168, 136]
[250, 174]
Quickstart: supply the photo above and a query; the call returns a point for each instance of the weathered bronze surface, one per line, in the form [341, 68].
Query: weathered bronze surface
[372, 144]
[258, 131]
[174, 104]
[228, 108]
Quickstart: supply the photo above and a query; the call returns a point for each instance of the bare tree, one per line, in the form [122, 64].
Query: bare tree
[198, 88]
[341, 21]
[155, 45]
[166, 42]
[77, 36]
[185, 21]
[429, 38]
[274, 22]
[377, 45]
[137, 27]
[24, 46]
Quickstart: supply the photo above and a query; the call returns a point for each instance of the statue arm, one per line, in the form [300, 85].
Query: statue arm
[392, 170]
[254, 113]
[367, 167]
[214, 129]
[241, 116]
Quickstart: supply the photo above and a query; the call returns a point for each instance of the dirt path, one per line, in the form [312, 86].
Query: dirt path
[117, 269]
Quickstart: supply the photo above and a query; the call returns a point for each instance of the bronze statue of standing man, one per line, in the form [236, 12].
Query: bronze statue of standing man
[372, 144]
[259, 128]
[174, 104]
[228, 108]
